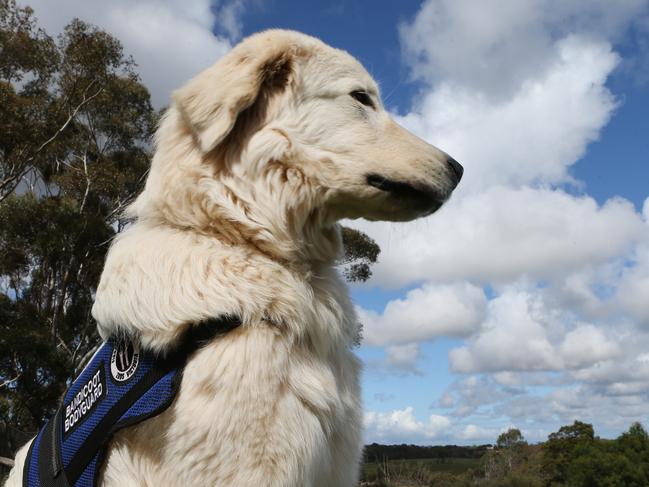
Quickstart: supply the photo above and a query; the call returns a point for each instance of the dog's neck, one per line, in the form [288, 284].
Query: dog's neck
[303, 245]
[274, 208]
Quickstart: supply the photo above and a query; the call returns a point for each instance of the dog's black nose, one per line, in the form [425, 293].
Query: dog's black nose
[456, 168]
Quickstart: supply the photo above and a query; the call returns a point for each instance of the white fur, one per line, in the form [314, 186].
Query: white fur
[255, 161]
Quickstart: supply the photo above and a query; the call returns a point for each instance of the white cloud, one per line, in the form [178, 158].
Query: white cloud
[230, 17]
[170, 40]
[426, 313]
[522, 334]
[534, 134]
[502, 233]
[507, 378]
[501, 224]
[469, 394]
[633, 289]
[587, 345]
[594, 375]
[565, 404]
[403, 357]
[383, 397]
[632, 389]
[472, 432]
[482, 402]
[631, 368]
[496, 45]
[396, 425]
[518, 132]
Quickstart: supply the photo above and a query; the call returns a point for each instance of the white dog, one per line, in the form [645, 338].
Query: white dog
[256, 160]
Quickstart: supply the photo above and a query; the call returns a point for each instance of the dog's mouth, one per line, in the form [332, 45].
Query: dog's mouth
[420, 197]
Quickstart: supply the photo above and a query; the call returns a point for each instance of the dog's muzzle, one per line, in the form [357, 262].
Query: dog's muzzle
[422, 198]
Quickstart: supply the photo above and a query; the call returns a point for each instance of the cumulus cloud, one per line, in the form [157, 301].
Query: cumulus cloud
[446, 401]
[481, 403]
[383, 397]
[565, 404]
[631, 369]
[494, 46]
[467, 395]
[170, 40]
[587, 345]
[503, 233]
[593, 373]
[472, 432]
[534, 134]
[400, 424]
[633, 289]
[426, 313]
[403, 357]
[522, 334]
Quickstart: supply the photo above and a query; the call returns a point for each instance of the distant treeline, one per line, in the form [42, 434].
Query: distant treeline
[573, 456]
[380, 453]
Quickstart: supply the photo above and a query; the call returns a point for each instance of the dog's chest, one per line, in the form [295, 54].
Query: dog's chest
[252, 405]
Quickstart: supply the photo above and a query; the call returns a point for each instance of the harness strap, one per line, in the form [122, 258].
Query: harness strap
[72, 459]
[50, 467]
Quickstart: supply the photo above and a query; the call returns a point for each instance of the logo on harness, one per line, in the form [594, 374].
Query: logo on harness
[124, 360]
[84, 401]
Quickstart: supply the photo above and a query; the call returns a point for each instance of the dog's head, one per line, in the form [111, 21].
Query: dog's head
[283, 128]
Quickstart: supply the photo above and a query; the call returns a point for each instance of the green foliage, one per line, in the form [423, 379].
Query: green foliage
[511, 452]
[361, 252]
[378, 453]
[563, 446]
[26, 49]
[75, 124]
[512, 480]
[512, 438]
[574, 457]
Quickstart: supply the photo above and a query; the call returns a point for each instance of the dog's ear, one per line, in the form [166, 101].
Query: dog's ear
[211, 102]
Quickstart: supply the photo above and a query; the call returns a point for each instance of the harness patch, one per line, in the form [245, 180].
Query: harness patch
[124, 360]
[84, 401]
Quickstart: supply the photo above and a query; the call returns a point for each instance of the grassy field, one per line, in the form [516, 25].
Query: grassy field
[417, 468]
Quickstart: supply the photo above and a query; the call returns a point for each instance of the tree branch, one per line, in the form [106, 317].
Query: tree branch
[9, 381]
[71, 117]
[25, 166]
[85, 171]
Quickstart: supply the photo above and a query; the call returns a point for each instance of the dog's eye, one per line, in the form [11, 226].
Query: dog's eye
[363, 98]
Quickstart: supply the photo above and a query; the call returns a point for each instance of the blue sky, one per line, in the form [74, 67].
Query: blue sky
[523, 302]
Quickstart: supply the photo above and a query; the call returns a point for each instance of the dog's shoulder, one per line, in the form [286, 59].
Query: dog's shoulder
[157, 279]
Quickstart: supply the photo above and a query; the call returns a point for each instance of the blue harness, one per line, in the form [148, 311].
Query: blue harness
[122, 385]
